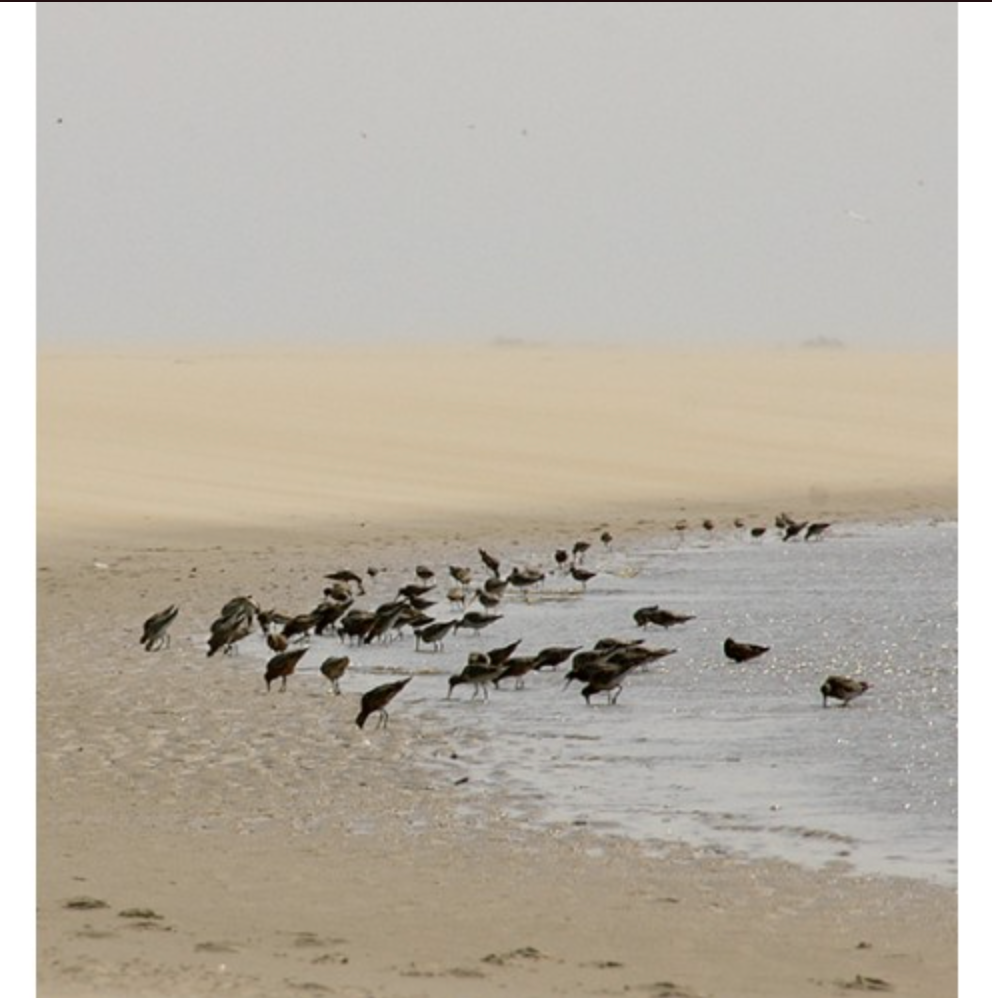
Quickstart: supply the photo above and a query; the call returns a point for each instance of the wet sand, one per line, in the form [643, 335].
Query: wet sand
[198, 836]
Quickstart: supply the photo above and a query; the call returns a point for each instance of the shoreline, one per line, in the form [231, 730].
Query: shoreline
[246, 844]
[270, 844]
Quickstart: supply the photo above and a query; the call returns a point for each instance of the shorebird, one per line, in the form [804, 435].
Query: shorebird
[582, 575]
[355, 624]
[517, 667]
[425, 573]
[499, 656]
[793, 529]
[234, 623]
[479, 671]
[554, 655]
[476, 621]
[609, 680]
[815, 530]
[758, 531]
[842, 688]
[434, 633]
[376, 701]
[579, 548]
[663, 618]
[460, 574]
[607, 538]
[490, 561]
[155, 631]
[277, 642]
[523, 578]
[561, 558]
[741, 651]
[333, 668]
[348, 576]
[282, 666]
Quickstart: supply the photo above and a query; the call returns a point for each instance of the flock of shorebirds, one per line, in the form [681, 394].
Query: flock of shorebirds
[600, 668]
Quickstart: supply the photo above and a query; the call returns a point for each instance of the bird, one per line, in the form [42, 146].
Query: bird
[554, 655]
[607, 679]
[815, 530]
[349, 577]
[424, 572]
[607, 538]
[434, 633]
[516, 668]
[282, 665]
[490, 561]
[579, 548]
[499, 656]
[333, 669]
[758, 531]
[521, 578]
[793, 529]
[741, 651]
[277, 642]
[479, 671]
[155, 631]
[461, 574]
[561, 558]
[234, 623]
[377, 699]
[663, 618]
[843, 688]
[475, 621]
[582, 575]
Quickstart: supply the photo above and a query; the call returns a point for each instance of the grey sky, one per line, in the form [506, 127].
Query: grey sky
[592, 171]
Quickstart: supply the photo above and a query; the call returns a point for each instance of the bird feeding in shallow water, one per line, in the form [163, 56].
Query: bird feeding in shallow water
[333, 668]
[376, 701]
[742, 651]
[843, 688]
[282, 666]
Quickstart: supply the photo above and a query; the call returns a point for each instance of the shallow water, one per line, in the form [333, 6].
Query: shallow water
[741, 758]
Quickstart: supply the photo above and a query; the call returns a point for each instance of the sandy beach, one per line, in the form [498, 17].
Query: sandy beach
[198, 836]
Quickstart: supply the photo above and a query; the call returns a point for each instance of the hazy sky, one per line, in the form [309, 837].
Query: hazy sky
[593, 171]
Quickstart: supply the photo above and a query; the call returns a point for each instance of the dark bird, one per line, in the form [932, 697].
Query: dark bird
[815, 530]
[708, 524]
[607, 538]
[523, 578]
[842, 688]
[499, 656]
[475, 621]
[349, 577]
[561, 558]
[234, 623]
[663, 618]
[277, 642]
[582, 575]
[554, 655]
[579, 548]
[517, 668]
[434, 633]
[490, 561]
[479, 671]
[424, 572]
[758, 531]
[609, 680]
[793, 529]
[376, 701]
[282, 666]
[333, 668]
[155, 631]
[741, 651]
